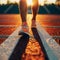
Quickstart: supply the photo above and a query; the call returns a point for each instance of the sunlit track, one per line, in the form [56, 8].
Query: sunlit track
[7, 51]
[14, 26]
[41, 17]
[51, 26]
[12, 21]
[14, 36]
[6, 36]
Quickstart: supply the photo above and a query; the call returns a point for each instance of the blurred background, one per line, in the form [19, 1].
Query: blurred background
[45, 6]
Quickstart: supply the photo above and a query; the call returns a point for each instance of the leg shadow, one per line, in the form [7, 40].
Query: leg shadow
[37, 37]
[20, 48]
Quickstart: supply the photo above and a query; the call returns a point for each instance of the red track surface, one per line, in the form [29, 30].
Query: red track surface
[44, 20]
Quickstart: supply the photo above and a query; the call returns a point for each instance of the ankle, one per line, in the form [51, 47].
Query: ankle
[24, 23]
[33, 21]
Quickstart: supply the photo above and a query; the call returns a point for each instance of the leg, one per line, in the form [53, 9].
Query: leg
[34, 11]
[23, 11]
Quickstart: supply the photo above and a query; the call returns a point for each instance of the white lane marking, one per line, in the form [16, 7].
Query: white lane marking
[49, 42]
[8, 26]
[8, 45]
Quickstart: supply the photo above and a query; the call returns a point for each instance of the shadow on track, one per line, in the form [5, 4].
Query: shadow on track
[22, 43]
[37, 37]
[20, 48]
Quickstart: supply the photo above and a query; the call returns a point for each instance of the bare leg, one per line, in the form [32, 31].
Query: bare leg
[34, 11]
[23, 11]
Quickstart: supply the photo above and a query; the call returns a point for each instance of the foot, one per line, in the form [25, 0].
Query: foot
[33, 24]
[24, 29]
